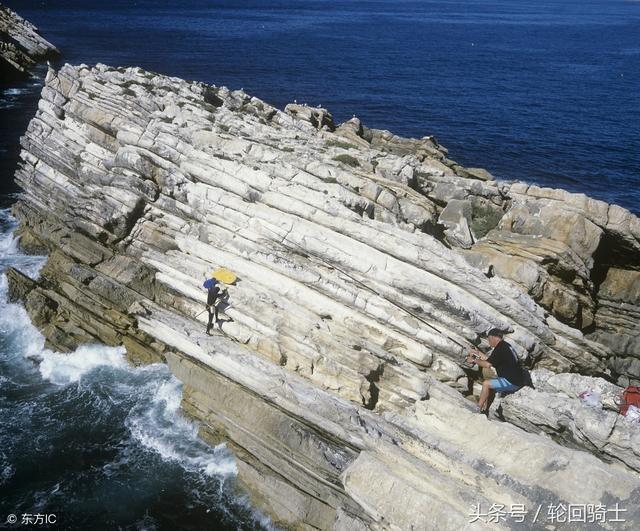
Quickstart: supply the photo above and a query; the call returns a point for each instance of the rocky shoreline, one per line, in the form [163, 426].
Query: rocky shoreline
[21, 47]
[367, 264]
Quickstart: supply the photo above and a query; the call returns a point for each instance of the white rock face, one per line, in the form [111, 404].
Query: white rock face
[367, 265]
[555, 407]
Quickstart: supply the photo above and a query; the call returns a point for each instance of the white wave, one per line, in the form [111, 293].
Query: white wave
[155, 421]
[159, 426]
[10, 253]
[62, 369]
[9, 97]
[168, 396]
[44, 498]
[8, 244]
[15, 324]
[14, 91]
[14, 321]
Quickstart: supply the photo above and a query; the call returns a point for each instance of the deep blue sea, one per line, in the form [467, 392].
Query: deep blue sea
[542, 91]
[546, 91]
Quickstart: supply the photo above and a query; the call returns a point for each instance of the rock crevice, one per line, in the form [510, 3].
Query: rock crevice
[367, 265]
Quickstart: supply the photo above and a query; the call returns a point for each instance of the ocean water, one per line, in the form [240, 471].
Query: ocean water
[542, 91]
[97, 443]
[546, 91]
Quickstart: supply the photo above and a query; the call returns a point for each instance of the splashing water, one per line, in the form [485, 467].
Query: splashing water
[98, 442]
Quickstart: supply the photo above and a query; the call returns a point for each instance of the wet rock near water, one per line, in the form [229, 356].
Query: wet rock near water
[21, 47]
[368, 264]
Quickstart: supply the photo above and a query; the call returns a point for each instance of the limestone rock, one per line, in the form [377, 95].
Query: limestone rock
[480, 173]
[456, 217]
[318, 117]
[618, 321]
[555, 407]
[560, 247]
[21, 46]
[335, 373]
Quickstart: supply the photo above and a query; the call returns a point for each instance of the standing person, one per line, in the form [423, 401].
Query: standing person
[503, 358]
[213, 291]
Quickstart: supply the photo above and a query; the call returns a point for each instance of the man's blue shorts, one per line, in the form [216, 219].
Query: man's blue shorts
[502, 385]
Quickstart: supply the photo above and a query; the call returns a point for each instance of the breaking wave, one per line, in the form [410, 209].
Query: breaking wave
[91, 438]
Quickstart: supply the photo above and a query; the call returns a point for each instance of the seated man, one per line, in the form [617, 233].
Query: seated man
[504, 360]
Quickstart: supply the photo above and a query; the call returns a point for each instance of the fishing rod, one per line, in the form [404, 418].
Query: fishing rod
[362, 284]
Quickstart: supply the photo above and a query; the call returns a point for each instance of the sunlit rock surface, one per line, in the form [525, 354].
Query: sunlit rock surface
[367, 264]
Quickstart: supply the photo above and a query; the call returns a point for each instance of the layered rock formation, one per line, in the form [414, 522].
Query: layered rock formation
[21, 46]
[367, 264]
[555, 407]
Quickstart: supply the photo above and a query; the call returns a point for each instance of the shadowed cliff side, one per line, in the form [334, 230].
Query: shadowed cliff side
[368, 263]
[21, 47]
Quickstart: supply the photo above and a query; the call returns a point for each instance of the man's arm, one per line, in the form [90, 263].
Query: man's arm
[477, 357]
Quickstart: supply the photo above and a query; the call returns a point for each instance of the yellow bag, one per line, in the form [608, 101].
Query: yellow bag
[224, 275]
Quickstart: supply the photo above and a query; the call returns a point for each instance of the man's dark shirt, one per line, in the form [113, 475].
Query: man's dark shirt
[504, 361]
[212, 295]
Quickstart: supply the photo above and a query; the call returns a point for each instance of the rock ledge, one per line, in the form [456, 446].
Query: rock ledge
[367, 264]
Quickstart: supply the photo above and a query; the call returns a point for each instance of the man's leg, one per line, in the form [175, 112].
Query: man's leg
[484, 395]
[211, 313]
[473, 375]
[491, 387]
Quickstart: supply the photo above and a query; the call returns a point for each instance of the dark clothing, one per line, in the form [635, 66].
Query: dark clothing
[211, 285]
[505, 361]
[212, 295]
[213, 311]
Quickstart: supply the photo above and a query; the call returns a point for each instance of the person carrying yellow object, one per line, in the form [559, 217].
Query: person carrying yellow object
[213, 292]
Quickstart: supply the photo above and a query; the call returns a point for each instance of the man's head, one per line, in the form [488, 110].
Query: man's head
[494, 336]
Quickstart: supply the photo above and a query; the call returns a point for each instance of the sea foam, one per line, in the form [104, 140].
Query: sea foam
[62, 368]
[159, 426]
[98, 381]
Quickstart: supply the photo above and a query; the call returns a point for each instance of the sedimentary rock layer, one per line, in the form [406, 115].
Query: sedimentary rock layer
[555, 407]
[367, 264]
[21, 46]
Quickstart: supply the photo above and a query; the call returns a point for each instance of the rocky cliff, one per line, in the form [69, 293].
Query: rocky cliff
[367, 264]
[21, 46]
